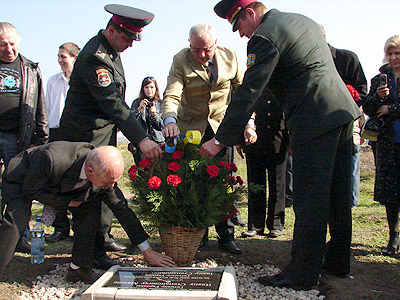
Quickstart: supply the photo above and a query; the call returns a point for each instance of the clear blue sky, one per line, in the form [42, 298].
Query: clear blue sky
[358, 25]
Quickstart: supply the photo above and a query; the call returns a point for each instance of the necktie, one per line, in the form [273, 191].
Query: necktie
[80, 183]
[210, 73]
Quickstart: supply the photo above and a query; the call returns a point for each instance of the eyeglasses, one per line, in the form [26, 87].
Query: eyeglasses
[200, 50]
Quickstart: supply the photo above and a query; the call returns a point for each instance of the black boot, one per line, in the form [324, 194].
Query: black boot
[393, 245]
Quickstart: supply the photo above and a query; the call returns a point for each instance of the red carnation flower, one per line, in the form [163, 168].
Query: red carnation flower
[174, 166]
[223, 163]
[231, 214]
[233, 167]
[239, 180]
[213, 171]
[354, 93]
[154, 182]
[177, 154]
[233, 180]
[173, 180]
[144, 163]
[132, 172]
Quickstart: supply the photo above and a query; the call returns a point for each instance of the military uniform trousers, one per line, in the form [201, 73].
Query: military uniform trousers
[322, 196]
[258, 164]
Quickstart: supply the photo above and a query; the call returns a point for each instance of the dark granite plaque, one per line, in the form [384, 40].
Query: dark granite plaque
[190, 279]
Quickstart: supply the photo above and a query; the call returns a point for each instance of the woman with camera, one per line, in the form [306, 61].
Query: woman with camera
[147, 111]
[383, 100]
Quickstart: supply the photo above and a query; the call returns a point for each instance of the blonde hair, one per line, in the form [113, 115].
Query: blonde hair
[393, 41]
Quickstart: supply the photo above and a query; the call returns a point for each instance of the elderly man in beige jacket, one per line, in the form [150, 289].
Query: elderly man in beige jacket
[198, 92]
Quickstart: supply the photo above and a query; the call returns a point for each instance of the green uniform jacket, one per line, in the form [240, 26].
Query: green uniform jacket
[289, 54]
[95, 102]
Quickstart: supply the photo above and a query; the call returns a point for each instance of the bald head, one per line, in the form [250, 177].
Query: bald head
[104, 166]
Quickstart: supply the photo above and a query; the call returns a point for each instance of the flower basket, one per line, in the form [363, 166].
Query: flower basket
[181, 243]
[184, 193]
[186, 189]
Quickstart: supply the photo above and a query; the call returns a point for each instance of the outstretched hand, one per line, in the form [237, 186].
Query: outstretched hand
[156, 259]
[210, 148]
[170, 130]
[151, 149]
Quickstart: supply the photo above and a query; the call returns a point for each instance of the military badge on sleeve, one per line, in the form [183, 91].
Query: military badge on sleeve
[103, 77]
[251, 59]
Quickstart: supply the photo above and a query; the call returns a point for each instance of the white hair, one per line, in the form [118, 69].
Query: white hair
[199, 29]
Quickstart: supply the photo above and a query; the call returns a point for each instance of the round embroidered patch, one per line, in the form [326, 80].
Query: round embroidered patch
[103, 77]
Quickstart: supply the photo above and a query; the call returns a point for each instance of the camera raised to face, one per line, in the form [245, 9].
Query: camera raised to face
[150, 103]
[383, 80]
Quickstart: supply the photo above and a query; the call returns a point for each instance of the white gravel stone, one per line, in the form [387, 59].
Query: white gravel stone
[53, 286]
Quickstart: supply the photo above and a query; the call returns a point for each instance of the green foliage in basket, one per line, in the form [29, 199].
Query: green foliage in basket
[186, 189]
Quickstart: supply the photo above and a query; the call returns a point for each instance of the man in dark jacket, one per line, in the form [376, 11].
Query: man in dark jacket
[95, 106]
[23, 115]
[350, 70]
[266, 144]
[288, 54]
[80, 177]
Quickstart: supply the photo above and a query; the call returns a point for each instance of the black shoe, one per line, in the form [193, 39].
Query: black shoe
[339, 274]
[237, 220]
[204, 241]
[250, 233]
[288, 202]
[281, 280]
[82, 274]
[230, 247]
[274, 233]
[390, 251]
[393, 246]
[114, 247]
[55, 236]
[23, 246]
[203, 244]
[104, 262]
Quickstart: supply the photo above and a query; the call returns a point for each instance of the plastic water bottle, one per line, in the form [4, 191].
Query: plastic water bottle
[37, 242]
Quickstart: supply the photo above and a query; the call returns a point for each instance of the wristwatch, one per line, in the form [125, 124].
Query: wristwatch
[216, 142]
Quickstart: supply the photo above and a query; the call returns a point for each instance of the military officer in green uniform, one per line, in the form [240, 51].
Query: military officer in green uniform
[288, 54]
[95, 105]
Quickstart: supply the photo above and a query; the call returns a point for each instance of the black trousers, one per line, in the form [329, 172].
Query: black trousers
[225, 231]
[258, 164]
[61, 223]
[322, 196]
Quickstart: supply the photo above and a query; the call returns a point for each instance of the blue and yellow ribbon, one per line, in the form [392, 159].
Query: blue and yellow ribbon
[191, 136]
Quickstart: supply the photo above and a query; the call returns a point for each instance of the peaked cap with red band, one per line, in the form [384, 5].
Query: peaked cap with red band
[229, 9]
[129, 19]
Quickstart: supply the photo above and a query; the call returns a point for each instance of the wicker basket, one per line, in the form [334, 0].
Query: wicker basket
[181, 243]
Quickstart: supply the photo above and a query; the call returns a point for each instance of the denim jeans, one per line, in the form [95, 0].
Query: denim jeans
[355, 174]
[8, 149]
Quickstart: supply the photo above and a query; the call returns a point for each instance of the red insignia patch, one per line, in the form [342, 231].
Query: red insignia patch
[103, 77]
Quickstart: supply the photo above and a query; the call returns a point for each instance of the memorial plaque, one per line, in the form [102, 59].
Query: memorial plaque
[190, 279]
[128, 283]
